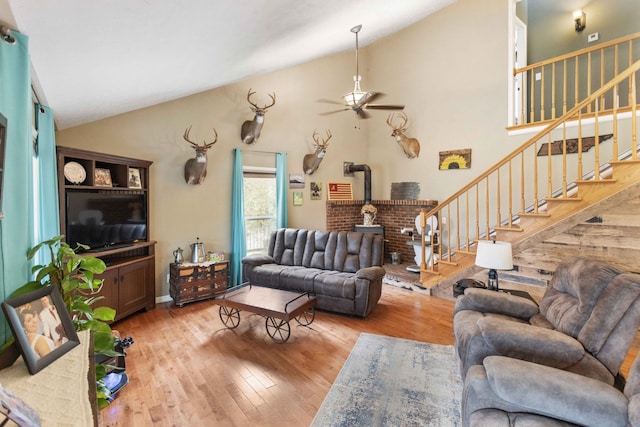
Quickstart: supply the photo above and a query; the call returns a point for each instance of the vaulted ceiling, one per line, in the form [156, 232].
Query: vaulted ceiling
[95, 59]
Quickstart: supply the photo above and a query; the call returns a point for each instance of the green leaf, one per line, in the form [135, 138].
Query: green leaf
[104, 313]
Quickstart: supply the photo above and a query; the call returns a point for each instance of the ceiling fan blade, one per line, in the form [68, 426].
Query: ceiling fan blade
[384, 107]
[372, 97]
[330, 101]
[326, 113]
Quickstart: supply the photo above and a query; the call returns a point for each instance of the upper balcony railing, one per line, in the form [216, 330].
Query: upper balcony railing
[550, 88]
[545, 167]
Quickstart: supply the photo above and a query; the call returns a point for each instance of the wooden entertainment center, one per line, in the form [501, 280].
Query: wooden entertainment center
[129, 281]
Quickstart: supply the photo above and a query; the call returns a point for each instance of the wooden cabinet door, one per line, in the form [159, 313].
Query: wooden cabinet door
[109, 290]
[133, 289]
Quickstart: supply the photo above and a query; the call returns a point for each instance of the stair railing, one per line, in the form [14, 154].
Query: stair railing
[519, 184]
[550, 88]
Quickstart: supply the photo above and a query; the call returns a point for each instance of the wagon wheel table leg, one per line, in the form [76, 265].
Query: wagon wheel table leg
[229, 316]
[278, 330]
[306, 317]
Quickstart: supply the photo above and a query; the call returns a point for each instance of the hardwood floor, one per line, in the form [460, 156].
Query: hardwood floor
[187, 369]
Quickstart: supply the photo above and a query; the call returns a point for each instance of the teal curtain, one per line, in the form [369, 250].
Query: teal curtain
[46, 213]
[282, 217]
[238, 233]
[16, 230]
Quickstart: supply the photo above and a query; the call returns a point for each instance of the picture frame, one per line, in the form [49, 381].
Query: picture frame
[297, 198]
[296, 180]
[340, 191]
[102, 178]
[315, 190]
[134, 178]
[40, 342]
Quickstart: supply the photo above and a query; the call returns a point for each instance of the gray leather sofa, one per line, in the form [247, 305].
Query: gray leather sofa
[342, 269]
[511, 392]
[586, 322]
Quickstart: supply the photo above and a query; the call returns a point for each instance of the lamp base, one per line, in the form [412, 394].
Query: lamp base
[492, 283]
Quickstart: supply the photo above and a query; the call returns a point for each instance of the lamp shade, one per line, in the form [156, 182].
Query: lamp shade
[494, 255]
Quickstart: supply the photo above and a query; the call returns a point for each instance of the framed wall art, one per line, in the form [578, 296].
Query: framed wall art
[315, 190]
[41, 326]
[102, 178]
[134, 178]
[455, 159]
[297, 198]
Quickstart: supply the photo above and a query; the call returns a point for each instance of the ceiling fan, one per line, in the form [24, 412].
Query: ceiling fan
[359, 100]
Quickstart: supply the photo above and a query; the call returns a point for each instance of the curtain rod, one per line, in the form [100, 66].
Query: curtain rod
[258, 151]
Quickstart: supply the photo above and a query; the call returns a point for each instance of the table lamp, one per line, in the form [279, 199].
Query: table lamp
[494, 255]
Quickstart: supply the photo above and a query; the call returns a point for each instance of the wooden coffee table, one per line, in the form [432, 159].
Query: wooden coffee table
[276, 305]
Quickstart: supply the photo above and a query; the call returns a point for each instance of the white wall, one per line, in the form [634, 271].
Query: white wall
[450, 70]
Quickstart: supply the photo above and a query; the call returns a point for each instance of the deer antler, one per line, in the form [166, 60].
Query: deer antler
[206, 144]
[272, 96]
[404, 118]
[325, 142]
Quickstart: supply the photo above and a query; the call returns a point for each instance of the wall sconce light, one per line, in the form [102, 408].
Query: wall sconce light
[580, 19]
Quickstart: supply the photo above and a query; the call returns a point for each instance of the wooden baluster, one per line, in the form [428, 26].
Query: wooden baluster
[477, 211]
[467, 219]
[486, 203]
[458, 222]
[634, 118]
[588, 80]
[535, 176]
[498, 199]
[549, 168]
[510, 210]
[532, 117]
[542, 95]
[580, 173]
[522, 185]
[597, 145]
[615, 124]
[564, 88]
[602, 102]
[553, 91]
[564, 159]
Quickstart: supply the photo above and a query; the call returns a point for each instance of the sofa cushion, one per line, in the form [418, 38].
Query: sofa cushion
[335, 284]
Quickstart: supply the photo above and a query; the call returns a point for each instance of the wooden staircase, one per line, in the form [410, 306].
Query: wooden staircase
[515, 200]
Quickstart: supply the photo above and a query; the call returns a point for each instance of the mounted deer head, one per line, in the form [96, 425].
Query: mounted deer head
[411, 146]
[311, 161]
[250, 131]
[196, 169]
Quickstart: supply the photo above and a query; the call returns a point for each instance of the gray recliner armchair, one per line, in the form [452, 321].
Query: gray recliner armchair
[585, 324]
[515, 393]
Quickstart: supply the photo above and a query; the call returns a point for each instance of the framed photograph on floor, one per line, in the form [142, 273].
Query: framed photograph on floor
[41, 326]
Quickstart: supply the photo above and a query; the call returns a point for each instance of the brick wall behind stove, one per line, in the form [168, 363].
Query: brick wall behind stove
[343, 215]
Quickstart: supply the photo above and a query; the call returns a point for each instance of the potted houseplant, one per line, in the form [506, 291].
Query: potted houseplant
[75, 277]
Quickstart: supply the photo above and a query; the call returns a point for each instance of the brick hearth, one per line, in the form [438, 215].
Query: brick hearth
[343, 215]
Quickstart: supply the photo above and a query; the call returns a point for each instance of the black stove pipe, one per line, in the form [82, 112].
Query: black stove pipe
[349, 168]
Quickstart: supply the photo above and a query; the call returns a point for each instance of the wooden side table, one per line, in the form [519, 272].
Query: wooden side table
[189, 282]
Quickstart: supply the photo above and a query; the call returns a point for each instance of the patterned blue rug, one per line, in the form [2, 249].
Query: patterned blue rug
[394, 382]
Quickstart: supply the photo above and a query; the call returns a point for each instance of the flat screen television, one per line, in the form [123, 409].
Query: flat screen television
[104, 220]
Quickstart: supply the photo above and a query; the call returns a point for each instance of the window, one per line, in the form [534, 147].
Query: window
[259, 207]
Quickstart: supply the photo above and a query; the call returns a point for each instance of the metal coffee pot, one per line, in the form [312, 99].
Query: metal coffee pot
[177, 255]
[197, 251]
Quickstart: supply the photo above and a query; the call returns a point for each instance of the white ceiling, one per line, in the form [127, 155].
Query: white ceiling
[93, 59]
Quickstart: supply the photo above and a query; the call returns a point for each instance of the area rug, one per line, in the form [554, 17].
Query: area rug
[394, 382]
[411, 286]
